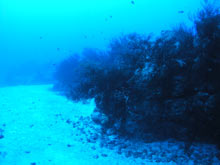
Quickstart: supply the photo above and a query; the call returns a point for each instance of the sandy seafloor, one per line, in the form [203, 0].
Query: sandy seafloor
[40, 127]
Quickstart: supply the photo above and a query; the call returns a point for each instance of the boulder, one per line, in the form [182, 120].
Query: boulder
[98, 117]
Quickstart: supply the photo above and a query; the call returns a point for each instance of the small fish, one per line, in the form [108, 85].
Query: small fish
[181, 11]
[58, 49]
[132, 2]
[110, 16]
[41, 37]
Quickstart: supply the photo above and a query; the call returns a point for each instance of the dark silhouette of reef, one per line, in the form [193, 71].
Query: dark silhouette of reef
[168, 87]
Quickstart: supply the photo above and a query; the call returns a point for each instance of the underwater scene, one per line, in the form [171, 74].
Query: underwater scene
[109, 82]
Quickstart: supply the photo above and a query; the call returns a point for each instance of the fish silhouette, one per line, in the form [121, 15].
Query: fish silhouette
[181, 11]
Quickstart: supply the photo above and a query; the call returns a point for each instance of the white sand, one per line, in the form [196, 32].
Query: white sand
[35, 131]
[33, 119]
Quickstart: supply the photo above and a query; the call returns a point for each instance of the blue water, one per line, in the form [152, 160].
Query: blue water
[36, 123]
[41, 32]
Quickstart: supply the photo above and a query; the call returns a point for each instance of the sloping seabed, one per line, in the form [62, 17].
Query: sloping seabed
[38, 126]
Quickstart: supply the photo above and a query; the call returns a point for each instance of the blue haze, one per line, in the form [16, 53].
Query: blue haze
[35, 34]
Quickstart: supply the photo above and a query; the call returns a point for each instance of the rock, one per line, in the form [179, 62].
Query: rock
[104, 155]
[145, 151]
[68, 121]
[91, 141]
[137, 154]
[93, 148]
[96, 156]
[3, 154]
[119, 152]
[112, 142]
[124, 146]
[131, 127]
[101, 144]
[128, 153]
[99, 118]
[1, 133]
[68, 145]
[95, 136]
[158, 160]
[110, 132]
[117, 125]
